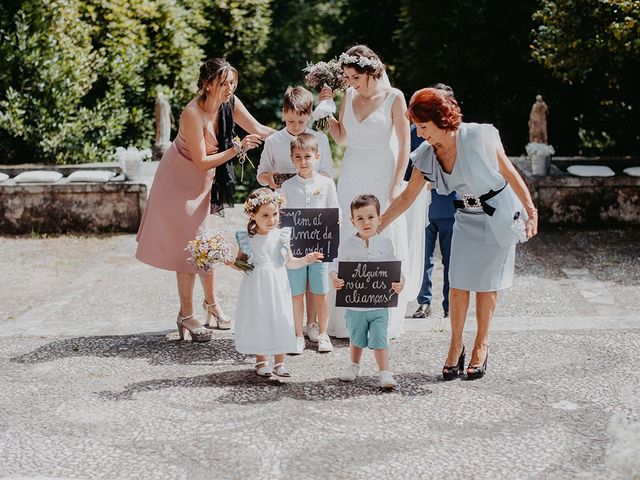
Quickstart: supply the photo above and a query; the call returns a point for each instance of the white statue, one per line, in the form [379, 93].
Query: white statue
[164, 118]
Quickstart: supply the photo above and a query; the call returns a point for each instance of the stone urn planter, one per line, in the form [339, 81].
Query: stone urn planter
[540, 156]
[131, 161]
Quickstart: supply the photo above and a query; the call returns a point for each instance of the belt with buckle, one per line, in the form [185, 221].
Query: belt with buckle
[474, 202]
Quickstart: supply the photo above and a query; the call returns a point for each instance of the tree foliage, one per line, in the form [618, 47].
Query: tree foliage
[481, 49]
[239, 31]
[79, 77]
[594, 45]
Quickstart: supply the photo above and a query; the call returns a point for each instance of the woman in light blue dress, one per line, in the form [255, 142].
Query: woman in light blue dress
[468, 158]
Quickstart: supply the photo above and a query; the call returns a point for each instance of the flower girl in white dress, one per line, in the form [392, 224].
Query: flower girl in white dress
[264, 317]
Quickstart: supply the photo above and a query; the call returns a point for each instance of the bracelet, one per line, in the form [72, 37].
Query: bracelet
[237, 147]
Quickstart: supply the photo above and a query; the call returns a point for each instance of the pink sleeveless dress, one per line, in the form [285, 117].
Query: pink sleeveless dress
[178, 206]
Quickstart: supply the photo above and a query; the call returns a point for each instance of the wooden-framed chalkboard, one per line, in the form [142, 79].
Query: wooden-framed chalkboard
[368, 284]
[313, 230]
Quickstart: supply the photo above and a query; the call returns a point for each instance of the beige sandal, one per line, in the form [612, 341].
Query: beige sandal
[223, 321]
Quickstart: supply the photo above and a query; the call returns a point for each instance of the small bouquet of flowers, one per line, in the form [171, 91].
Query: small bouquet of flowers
[211, 248]
[542, 149]
[317, 76]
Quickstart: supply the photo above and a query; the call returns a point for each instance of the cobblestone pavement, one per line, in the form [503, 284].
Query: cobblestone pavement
[94, 383]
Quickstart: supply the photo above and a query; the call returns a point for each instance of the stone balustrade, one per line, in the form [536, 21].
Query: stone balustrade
[565, 199]
[64, 206]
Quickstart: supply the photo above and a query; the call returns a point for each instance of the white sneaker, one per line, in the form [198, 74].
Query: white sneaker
[300, 345]
[324, 343]
[312, 332]
[387, 381]
[350, 373]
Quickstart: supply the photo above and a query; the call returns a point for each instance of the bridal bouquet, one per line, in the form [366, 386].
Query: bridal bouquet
[211, 248]
[317, 76]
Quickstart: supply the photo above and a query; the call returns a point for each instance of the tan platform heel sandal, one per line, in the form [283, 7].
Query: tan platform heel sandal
[199, 334]
[222, 320]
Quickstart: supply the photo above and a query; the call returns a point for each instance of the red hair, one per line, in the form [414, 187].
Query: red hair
[437, 106]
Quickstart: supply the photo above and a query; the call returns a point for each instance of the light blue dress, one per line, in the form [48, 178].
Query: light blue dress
[483, 246]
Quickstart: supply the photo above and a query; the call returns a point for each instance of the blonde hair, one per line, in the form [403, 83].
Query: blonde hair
[304, 141]
[298, 99]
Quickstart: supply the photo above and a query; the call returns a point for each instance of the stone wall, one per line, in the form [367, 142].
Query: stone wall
[61, 207]
[564, 199]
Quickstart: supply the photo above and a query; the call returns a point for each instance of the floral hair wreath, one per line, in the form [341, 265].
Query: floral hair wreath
[272, 197]
[362, 62]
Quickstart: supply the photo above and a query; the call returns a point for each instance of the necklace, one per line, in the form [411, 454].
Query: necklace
[449, 150]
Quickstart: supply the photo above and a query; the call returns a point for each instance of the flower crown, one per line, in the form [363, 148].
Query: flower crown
[251, 203]
[362, 62]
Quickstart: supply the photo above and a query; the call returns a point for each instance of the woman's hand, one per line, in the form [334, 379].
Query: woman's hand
[250, 142]
[326, 93]
[532, 222]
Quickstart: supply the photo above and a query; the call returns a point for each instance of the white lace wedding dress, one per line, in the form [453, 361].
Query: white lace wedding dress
[368, 166]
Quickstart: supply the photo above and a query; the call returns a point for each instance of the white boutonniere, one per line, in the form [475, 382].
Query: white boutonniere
[317, 192]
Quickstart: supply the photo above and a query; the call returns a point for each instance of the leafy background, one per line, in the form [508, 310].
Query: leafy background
[79, 77]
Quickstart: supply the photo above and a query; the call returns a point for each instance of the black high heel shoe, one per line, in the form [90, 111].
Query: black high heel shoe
[474, 373]
[451, 372]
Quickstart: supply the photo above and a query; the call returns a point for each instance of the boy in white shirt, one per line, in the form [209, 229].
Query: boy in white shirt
[275, 159]
[309, 189]
[367, 326]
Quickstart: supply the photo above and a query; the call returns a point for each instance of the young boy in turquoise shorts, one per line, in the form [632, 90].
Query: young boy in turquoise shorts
[367, 327]
[309, 189]
[276, 166]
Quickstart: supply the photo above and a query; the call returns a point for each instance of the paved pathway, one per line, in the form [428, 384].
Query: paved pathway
[94, 384]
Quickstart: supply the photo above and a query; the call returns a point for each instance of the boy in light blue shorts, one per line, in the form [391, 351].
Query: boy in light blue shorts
[276, 166]
[309, 189]
[367, 327]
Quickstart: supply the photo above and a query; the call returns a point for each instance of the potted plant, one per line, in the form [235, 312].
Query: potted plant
[131, 161]
[540, 155]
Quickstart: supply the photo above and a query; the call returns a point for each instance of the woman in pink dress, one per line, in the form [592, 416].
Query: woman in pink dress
[193, 182]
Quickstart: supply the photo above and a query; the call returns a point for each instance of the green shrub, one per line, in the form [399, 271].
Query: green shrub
[79, 77]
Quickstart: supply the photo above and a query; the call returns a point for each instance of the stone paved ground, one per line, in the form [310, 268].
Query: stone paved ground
[94, 384]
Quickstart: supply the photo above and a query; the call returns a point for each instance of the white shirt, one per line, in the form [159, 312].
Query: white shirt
[354, 249]
[315, 192]
[276, 154]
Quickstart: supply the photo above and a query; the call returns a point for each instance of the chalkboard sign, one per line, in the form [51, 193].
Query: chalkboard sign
[368, 284]
[313, 230]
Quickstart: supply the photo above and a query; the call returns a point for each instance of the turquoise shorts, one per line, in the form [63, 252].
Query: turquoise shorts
[368, 328]
[318, 275]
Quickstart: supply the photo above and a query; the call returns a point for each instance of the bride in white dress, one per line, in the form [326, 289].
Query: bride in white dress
[372, 121]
